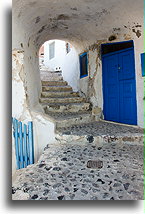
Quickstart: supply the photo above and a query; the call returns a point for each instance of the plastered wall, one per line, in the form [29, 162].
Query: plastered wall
[85, 26]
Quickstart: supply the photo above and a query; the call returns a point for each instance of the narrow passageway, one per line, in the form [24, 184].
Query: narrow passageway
[98, 77]
[66, 107]
[62, 173]
[57, 61]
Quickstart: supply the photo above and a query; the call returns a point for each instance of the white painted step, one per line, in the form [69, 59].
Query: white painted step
[62, 100]
[67, 107]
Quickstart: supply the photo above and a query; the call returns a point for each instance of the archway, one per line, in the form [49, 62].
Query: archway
[59, 55]
[84, 24]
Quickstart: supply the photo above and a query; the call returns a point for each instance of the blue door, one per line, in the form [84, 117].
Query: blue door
[119, 87]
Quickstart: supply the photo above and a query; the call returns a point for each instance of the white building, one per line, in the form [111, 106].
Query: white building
[88, 27]
[61, 55]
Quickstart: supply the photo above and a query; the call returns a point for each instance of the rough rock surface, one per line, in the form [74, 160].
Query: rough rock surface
[62, 173]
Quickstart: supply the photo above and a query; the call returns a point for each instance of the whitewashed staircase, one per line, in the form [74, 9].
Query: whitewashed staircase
[59, 101]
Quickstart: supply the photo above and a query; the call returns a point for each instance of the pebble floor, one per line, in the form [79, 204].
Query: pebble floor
[62, 174]
[102, 128]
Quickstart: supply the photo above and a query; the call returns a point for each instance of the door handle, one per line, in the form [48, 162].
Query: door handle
[119, 68]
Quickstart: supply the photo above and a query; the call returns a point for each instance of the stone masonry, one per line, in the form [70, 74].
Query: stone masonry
[62, 173]
[64, 106]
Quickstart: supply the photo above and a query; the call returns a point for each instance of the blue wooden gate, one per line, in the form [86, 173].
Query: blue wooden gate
[24, 148]
[119, 86]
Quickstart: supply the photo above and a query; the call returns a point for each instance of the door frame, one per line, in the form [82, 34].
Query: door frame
[113, 53]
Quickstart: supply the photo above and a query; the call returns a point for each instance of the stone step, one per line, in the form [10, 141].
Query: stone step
[54, 83]
[50, 78]
[67, 107]
[57, 88]
[70, 119]
[46, 70]
[101, 132]
[51, 73]
[60, 94]
[62, 100]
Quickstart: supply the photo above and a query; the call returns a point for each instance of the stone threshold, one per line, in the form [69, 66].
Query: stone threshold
[100, 132]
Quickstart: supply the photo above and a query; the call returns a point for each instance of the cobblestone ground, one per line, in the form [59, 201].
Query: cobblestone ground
[101, 128]
[62, 174]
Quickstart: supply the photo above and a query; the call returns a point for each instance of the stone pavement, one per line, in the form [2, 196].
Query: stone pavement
[101, 128]
[100, 132]
[62, 173]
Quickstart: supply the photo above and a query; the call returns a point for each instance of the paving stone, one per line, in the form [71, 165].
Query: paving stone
[56, 185]
[34, 197]
[61, 197]
[115, 181]
[56, 168]
[126, 186]
[84, 191]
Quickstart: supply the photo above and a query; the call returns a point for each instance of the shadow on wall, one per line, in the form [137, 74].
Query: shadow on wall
[58, 55]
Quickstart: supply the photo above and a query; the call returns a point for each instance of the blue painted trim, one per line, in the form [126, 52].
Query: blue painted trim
[116, 52]
[21, 146]
[84, 76]
[15, 127]
[80, 58]
[109, 43]
[30, 139]
[143, 63]
[113, 43]
[25, 146]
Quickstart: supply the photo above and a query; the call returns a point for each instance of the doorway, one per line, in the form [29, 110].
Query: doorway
[119, 83]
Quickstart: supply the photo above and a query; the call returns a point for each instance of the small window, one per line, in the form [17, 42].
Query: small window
[83, 65]
[68, 48]
[51, 50]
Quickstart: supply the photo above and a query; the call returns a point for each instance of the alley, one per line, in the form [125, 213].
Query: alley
[62, 173]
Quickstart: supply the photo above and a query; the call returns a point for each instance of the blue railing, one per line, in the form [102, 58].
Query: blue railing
[24, 147]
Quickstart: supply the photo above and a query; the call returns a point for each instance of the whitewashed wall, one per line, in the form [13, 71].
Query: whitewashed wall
[59, 54]
[71, 69]
[82, 25]
[91, 85]
[68, 63]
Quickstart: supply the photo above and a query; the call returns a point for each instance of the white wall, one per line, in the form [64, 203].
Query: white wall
[68, 63]
[91, 85]
[59, 54]
[71, 69]
[26, 108]
[82, 27]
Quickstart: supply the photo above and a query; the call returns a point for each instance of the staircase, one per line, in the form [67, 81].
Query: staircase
[67, 108]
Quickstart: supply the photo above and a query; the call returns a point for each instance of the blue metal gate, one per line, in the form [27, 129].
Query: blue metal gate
[119, 86]
[24, 148]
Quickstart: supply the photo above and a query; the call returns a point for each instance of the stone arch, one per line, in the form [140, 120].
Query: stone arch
[85, 24]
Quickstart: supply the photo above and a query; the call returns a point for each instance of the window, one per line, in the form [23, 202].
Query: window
[68, 48]
[83, 65]
[51, 50]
